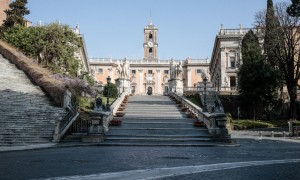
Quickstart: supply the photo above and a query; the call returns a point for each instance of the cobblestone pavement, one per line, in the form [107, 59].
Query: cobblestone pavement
[253, 159]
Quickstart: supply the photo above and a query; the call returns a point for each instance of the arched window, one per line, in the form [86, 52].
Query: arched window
[150, 37]
[150, 50]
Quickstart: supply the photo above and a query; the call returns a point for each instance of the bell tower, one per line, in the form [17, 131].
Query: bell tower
[150, 42]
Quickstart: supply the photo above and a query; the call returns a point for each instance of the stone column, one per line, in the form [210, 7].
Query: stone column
[141, 81]
[158, 83]
[189, 77]
[222, 68]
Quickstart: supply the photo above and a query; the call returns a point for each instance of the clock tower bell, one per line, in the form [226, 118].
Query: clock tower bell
[150, 42]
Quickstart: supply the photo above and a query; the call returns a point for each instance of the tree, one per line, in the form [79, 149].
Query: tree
[294, 8]
[284, 50]
[273, 38]
[258, 81]
[15, 15]
[53, 46]
[113, 90]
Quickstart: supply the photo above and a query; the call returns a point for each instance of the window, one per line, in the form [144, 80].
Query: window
[199, 71]
[150, 37]
[133, 71]
[232, 62]
[150, 50]
[100, 70]
[232, 81]
[149, 71]
[132, 89]
[166, 71]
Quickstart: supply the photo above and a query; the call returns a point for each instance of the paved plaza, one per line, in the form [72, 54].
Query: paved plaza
[252, 159]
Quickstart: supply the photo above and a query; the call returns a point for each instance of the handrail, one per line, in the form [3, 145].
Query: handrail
[62, 126]
[214, 121]
[113, 110]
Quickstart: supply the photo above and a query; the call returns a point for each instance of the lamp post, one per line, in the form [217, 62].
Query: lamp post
[218, 84]
[123, 85]
[205, 104]
[108, 79]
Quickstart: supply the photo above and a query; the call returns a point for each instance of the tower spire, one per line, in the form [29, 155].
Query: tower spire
[151, 18]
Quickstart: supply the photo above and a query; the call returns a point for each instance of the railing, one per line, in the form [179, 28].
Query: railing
[215, 121]
[240, 31]
[80, 126]
[61, 126]
[141, 61]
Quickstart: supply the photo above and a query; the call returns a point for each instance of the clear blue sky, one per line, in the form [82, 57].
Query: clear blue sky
[187, 28]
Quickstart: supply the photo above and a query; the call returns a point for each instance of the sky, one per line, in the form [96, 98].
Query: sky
[115, 28]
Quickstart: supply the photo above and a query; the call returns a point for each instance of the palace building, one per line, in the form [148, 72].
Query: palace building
[227, 58]
[151, 75]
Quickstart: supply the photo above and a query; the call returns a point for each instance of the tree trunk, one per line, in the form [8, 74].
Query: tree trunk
[293, 101]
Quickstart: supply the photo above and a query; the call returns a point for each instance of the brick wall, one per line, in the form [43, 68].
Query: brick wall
[4, 4]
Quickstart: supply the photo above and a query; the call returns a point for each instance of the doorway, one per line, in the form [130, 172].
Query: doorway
[149, 90]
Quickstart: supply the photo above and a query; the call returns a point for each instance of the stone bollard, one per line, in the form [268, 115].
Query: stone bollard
[260, 134]
[272, 134]
[283, 134]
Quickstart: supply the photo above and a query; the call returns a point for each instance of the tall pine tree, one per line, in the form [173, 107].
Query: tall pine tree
[15, 15]
[273, 35]
[258, 81]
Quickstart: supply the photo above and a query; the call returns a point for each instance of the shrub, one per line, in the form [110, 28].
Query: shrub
[113, 90]
[79, 86]
[250, 124]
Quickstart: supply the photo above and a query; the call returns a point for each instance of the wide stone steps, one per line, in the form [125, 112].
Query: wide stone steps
[27, 115]
[156, 121]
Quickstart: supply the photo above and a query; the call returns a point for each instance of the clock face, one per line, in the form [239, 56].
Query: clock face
[150, 44]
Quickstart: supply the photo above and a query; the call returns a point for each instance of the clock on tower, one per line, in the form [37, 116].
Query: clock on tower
[150, 42]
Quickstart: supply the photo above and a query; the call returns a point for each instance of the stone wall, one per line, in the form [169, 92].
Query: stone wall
[232, 102]
[41, 76]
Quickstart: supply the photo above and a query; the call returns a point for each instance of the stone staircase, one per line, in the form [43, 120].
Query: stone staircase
[27, 115]
[156, 121]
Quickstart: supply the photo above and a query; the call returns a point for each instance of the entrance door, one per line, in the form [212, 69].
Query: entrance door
[149, 91]
[166, 89]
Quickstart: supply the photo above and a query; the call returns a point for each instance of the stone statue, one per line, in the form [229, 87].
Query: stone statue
[179, 70]
[119, 70]
[172, 69]
[125, 69]
[98, 104]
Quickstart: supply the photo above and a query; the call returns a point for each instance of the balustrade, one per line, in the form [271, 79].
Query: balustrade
[214, 121]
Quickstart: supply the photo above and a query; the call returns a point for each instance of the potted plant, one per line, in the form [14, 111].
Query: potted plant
[198, 123]
[120, 114]
[184, 109]
[115, 122]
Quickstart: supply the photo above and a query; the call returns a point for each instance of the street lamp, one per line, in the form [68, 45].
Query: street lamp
[218, 84]
[205, 104]
[123, 85]
[108, 79]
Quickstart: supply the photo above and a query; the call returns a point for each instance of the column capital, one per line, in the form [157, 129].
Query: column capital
[158, 70]
[140, 70]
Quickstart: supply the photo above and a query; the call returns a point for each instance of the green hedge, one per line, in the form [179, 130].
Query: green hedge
[250, 124]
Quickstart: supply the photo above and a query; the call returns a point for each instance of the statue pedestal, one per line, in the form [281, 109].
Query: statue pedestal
[123, 85]
[176, 85]
[96, 130]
